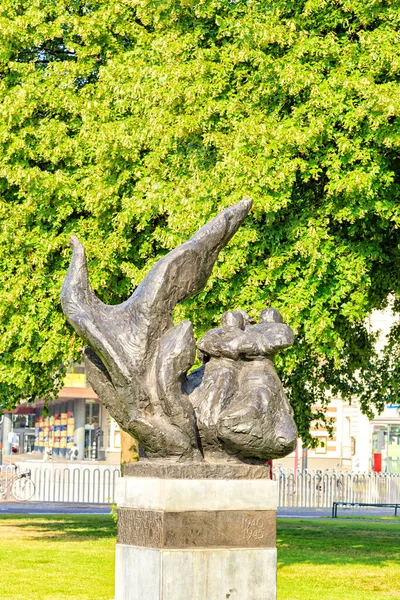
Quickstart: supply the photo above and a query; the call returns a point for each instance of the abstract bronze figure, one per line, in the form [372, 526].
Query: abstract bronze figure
[137, 360]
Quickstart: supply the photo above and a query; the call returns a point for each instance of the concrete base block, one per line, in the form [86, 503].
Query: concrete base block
[203, 574]
[208, 537]
[137, 573]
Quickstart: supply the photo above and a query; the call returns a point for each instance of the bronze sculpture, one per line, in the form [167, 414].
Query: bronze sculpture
[137, 361]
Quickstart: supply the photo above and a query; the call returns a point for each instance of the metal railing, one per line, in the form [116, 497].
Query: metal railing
[71, 483]
[319, 489]
[307, 489]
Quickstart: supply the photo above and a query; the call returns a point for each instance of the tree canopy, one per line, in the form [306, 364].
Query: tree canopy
[130, 123]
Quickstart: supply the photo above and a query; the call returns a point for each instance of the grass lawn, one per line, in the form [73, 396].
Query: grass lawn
[338, 560]
[57, 557]
[71, 557]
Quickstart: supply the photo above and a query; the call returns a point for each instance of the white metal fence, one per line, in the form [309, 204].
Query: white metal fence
[70, 483]
[307, 489]
[319, 489]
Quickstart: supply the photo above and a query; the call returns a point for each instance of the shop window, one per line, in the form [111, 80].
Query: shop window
[93, 436]
[386, 447]
[92, 414]
[29, 443]
[23, 421]
[378, 438]
[393, 448]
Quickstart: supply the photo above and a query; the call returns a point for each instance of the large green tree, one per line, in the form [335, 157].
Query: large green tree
[131, 122]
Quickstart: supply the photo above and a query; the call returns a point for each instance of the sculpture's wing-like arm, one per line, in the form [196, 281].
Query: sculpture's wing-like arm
[185, 270]
[90, 317]
[146, 315]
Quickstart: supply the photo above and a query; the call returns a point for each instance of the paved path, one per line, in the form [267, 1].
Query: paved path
[326, 513]
[43, 508]
[304, 513]
[53, 508]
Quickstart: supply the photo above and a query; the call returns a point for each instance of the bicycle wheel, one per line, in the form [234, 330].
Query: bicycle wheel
[23, 488]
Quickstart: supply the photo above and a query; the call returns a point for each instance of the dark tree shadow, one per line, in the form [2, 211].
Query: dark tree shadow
[60, 527]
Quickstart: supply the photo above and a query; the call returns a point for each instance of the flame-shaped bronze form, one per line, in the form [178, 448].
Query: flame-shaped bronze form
[137, 360]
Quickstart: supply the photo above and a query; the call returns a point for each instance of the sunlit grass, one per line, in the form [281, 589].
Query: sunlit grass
[57, 557]
[338, 560]
[71, 557]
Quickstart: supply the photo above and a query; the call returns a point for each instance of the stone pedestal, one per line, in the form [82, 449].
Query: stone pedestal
[196, 532]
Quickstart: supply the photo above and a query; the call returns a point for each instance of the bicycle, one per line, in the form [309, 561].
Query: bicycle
[20, 485]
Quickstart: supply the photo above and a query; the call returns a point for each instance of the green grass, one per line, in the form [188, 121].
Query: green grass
[338, 560]
[57, 557]
[71, 557]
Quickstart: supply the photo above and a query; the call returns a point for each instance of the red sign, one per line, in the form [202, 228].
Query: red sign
[378, 463]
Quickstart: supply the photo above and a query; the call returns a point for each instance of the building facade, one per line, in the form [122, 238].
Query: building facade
[357, 443]
[76, 417]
